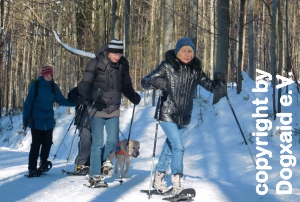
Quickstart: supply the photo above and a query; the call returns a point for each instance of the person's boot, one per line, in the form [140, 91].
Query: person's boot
[97, 181]
[45, 166]
[159, 183]
[81, 170]
[177, 184]
[78, 168]
[34, 173]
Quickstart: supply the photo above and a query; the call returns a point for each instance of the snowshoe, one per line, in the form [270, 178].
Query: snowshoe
[184, 195]
[74, 173]
[34, 173]
[45, 166]
[81, 170]
[96, 182]
[156, 192]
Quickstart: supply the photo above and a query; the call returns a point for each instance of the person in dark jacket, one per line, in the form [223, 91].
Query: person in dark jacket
[38, 114]
[177, 77]
[82, 122]
[104, 80]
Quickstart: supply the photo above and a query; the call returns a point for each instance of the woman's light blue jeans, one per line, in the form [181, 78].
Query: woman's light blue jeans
[100, 152]
[173, 149]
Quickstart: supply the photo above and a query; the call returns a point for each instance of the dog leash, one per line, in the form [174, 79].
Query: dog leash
[122, 134]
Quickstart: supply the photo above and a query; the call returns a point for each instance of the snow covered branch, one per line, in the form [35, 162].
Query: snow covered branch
[73, 50]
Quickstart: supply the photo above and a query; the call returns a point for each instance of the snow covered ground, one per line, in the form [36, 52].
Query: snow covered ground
[217, 164]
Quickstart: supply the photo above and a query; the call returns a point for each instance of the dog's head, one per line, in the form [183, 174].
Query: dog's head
[133, 148]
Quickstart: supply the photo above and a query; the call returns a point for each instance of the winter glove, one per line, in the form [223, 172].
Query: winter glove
[160, 83]
[26, 122]
[74, 99]
[135, 98]
[220, 77]
[94, 93]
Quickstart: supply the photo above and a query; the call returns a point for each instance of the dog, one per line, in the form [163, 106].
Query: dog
[123, 159]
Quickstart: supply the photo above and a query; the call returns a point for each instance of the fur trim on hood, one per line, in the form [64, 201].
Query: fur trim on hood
[171, 58]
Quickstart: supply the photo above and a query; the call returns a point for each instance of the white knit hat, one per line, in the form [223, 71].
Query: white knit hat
[115, 46]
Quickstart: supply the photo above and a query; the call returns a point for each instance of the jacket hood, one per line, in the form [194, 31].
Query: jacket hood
[171, 58]
[102, 55]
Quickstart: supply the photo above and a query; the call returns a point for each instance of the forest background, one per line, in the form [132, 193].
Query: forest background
[230, 36]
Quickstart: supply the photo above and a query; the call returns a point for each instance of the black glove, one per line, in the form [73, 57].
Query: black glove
[135, 98]
[220, 77]
[26, 122]
[160, 83]
[74, 99]
[94, 93]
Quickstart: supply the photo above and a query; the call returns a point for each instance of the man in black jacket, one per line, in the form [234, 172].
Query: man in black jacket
[105, 79]
[82, 121]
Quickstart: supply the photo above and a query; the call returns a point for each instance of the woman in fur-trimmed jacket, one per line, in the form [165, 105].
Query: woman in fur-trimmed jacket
[177, 76]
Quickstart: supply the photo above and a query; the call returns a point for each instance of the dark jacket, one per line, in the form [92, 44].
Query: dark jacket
[81, 117]
[40, 110]
[112, 78]
[180, 87]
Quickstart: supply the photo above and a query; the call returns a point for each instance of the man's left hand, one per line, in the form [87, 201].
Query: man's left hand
[135, 98]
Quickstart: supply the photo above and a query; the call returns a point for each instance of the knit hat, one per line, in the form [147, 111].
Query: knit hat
[115, 46]
[46, 70]
[184, 42]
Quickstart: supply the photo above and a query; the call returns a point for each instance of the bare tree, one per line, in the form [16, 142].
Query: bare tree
[223, 43]
[250, 42]
[212, 37]
[273, 13]
[168, 24]
[193, 21]
[280, 54]
[127, 27]
[114, 18]
[1, 50]
[240, 46]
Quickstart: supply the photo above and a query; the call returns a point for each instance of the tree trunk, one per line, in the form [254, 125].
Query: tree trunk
[74, 60]
[222, 43]
[212, 38]
[240, 46]
[2, 51]
[280, 55]
[114, 18]
[168, 25]
[127, 27]
[7, 68]
[250, 41]
[158, 28]
[193, 21]
[273, 53]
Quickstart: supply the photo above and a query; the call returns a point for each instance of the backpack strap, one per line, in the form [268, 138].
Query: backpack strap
[36, 88]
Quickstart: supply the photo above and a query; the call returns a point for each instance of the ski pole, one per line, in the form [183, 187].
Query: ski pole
[72, 147]
[159, 102]
[240, 130]
[121, 181]
[79, 109]
[63, 138]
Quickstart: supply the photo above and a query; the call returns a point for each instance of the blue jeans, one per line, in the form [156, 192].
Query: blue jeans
[173, 149]
[100, 152]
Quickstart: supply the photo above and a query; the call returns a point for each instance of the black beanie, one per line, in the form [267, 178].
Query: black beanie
[115, 46]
